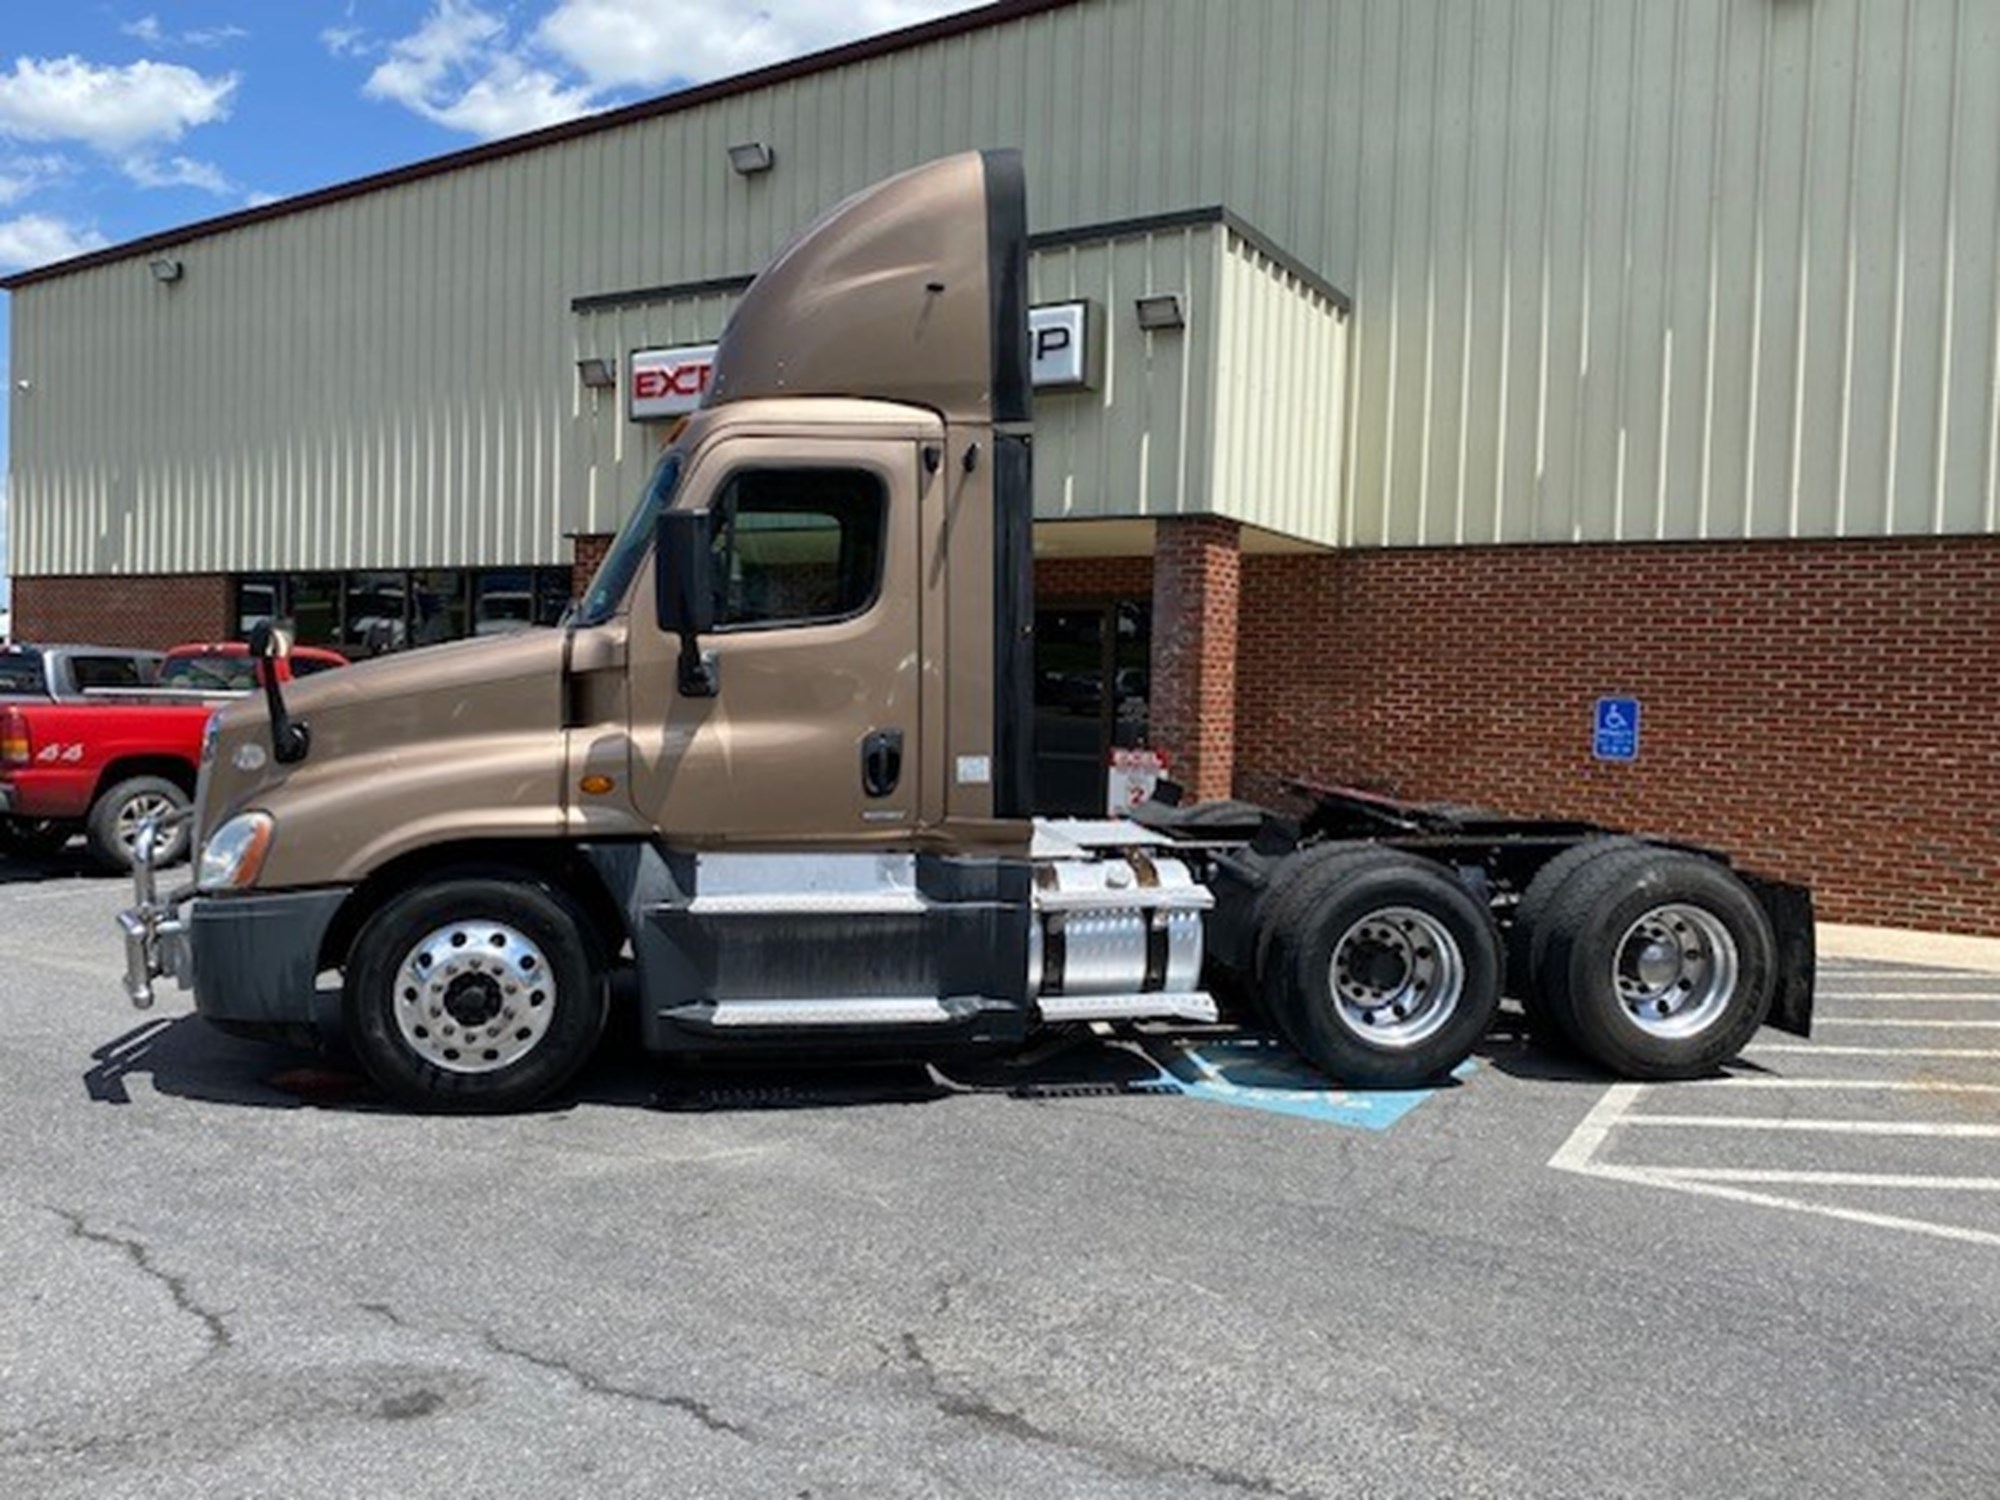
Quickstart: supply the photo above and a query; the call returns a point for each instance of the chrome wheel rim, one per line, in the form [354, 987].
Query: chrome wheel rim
[141, 810]
[1396, 976]
[474, 997]
[1675, 970]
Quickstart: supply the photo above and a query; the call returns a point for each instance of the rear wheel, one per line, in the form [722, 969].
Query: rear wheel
[1658, 964]
[474, 995]
[1527, 935]
[112, 829]
[1383, 970]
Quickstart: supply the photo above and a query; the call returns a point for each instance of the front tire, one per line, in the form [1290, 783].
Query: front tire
[1384, 971]
[474, 995]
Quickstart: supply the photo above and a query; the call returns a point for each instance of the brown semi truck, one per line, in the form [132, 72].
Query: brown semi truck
[776, 764]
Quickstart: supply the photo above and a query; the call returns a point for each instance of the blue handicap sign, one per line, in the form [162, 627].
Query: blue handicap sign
[1616, 736]
[1258, 1072]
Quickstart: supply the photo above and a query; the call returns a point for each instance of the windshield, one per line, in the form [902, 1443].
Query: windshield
[621, 563]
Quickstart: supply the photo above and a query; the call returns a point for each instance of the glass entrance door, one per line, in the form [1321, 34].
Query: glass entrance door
[1092, 689]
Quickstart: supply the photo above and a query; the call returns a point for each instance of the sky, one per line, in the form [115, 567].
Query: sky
[118, 119]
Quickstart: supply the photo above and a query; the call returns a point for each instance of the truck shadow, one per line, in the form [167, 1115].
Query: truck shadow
[184, 1057]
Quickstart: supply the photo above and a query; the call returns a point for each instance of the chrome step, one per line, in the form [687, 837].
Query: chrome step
[1187, 1005]
[873, 1010]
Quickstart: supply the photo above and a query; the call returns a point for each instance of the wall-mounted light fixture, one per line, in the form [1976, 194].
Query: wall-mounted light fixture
[748, 158]
[597, 374]
[1161, 312]
[166, 269]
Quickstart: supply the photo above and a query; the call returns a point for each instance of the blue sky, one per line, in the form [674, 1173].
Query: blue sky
[121, 119]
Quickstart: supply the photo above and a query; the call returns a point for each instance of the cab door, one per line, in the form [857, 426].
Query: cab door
[811, 734]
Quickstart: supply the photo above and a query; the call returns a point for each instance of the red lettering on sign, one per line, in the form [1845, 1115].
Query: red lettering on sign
[671, 380]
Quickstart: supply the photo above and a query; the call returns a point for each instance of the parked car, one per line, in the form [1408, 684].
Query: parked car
[67, 673]
[103, 766]
[226, 667]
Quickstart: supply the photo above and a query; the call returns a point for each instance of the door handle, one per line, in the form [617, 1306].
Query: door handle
[881, 761]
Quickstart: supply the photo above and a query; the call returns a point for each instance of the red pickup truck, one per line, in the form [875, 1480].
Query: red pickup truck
[104, 766]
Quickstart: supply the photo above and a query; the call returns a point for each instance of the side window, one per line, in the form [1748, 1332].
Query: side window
[105, 672]
[797, 546]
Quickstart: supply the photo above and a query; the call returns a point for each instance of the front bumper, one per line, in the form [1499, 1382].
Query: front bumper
[252, 961]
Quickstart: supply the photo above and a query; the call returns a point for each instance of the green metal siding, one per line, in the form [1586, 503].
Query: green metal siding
[1621, 269]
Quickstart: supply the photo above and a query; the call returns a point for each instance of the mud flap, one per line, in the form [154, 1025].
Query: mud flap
[1790, 908]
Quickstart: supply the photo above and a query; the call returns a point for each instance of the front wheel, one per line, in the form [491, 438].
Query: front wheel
[1384, 971]
[474, 995]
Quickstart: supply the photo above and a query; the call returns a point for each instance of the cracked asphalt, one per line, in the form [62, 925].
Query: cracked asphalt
[226, 1270]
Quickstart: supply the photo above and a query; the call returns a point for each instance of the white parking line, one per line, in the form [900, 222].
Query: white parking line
[1907, 999]
[1828, 1179]
[1815, 1127]
[1921, 1023]
[1889, 1085]
[1823, 1049]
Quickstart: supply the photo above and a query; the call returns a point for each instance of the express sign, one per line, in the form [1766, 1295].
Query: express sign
[671, 382]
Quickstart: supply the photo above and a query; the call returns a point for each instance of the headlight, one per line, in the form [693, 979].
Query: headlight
[235, 853]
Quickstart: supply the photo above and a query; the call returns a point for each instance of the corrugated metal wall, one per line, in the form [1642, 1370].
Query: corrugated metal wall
[1621, 269]
[1280, 398]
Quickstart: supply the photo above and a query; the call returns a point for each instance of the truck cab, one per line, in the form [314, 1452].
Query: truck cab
[777, 763]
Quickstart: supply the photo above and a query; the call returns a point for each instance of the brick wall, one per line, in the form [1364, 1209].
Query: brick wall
[1826, 711]
[150, 613]
[1197, 570]
[589, 554]
[1093, 578]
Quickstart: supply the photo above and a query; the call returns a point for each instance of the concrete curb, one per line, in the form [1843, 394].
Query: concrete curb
[1943, 950]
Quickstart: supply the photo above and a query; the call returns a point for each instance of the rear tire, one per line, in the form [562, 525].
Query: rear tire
[1527, 935]
[113, 824]
[1658, 964]
[475, 995]
[1383, 971]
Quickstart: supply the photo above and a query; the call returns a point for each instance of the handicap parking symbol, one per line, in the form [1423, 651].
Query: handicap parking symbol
[1258, 1072]
[1616, 732]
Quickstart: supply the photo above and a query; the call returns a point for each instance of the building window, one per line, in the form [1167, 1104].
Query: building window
[368, 612]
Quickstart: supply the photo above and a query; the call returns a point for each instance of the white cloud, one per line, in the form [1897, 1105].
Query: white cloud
[258, 198]
[458, 70]
[23, 175]
[651, 43]
[346, 41]
[176, 171]
[40, 239]
[112, 109]
[148, 30]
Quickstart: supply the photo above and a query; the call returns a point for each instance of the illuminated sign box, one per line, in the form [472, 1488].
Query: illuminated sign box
[1064, 342]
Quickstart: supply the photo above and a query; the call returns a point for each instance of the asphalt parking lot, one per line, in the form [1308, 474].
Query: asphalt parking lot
[1174, 1267]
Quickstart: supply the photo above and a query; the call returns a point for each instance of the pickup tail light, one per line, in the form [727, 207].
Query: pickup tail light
[15, 747]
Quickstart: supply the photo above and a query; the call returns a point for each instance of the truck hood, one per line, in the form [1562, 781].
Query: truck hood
[465, 737]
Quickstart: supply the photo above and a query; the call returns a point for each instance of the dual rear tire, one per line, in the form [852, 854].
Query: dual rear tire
[1379, 967]
[1653, 963]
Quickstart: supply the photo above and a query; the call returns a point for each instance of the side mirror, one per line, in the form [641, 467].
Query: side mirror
[684, 594]
[291, 740]
[268, 642]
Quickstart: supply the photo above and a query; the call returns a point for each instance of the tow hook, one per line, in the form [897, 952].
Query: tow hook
[155, 937]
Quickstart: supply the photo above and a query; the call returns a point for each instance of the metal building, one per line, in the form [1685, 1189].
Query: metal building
[1435, 291]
